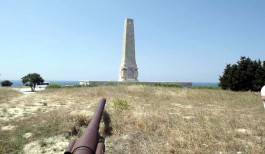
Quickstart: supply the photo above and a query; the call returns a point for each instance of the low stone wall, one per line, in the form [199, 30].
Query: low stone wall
[162, 83]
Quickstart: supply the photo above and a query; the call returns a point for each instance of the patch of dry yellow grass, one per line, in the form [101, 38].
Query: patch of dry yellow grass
[6, 94]
[156, 120]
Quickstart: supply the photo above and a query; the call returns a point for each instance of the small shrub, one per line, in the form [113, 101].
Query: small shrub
[77, 85]
[80, 122]
[120, 104]
[53, 86]
[6, 83]
[4, 110]
[43, 143]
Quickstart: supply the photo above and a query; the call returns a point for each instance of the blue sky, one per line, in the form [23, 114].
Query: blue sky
[176, 40]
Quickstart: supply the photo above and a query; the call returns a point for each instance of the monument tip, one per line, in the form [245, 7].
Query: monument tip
[128, 19]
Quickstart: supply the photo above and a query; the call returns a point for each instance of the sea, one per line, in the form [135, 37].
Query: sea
[210, 84]
[18, 83]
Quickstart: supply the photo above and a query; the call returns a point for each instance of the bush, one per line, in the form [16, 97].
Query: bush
[77, 85]
[53, 86]
[120, 104]
[243, 76]
[6, 83]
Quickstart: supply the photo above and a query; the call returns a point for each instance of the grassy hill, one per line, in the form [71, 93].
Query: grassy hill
[142, 119]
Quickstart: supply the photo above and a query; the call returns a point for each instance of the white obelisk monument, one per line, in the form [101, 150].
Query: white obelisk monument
[128, 68]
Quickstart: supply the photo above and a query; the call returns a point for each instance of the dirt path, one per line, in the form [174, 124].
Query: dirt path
[26, 105]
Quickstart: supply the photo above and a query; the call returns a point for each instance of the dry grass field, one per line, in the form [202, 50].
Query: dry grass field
[143, 119]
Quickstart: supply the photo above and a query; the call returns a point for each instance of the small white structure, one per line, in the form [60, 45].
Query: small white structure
[42, 85]
[262, 92]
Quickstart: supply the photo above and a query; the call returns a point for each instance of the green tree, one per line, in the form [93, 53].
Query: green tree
[6, 83]
[259, 75]
[32, 79]
[243, 76]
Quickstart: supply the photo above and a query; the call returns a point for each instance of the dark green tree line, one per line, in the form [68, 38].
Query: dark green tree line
[243, 76]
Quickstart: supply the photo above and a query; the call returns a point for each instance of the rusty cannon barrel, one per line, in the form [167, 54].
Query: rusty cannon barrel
[88, 143]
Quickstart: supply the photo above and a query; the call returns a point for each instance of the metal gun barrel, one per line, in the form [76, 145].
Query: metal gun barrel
[88, 142]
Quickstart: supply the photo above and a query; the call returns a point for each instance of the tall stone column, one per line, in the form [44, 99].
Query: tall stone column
[128, 68]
